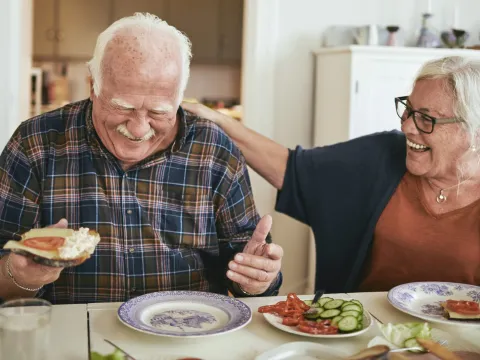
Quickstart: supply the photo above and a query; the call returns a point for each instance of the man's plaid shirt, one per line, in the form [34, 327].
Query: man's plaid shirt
[172, 222]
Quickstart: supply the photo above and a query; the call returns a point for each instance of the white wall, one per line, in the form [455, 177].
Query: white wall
[15, 62]
[298, 26]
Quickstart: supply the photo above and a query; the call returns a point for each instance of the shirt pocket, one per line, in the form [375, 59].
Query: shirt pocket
[187, 219]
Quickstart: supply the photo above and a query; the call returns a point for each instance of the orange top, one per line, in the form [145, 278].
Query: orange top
[411, 243]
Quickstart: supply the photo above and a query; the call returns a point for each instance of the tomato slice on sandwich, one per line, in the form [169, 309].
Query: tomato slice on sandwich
[45, 243]
[463, 307]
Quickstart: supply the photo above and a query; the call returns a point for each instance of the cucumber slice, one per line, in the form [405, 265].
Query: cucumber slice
[350, 313]
[348, 324]
[359, 326]
[412, 342]
[312, 313]
[311, 303]
[333, 304]
[347, 303]
[331, 313]
[336, 319]
[357, 302]
[324, 300]
[352, 307]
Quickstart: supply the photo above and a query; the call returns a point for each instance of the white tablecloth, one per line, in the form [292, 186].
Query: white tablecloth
[245, 344]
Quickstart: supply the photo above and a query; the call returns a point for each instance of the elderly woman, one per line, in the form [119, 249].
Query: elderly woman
[391, 207]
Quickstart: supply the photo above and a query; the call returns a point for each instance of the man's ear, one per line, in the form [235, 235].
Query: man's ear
[90, 84]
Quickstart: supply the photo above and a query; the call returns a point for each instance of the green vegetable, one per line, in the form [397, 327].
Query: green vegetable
[116, 355]
[348, 323]
[399, 333]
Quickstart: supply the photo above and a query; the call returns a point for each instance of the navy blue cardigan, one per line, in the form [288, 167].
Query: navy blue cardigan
[340, 191]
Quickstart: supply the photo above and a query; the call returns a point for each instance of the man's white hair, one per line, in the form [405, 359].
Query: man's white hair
[144, 22]
[462, 80]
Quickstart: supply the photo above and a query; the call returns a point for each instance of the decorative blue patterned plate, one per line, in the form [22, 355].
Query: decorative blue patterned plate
[422, 299]
[184, 314]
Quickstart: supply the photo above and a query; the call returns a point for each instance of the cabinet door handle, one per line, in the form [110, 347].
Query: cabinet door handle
[50, 34]
[221, 45]
[59, 35]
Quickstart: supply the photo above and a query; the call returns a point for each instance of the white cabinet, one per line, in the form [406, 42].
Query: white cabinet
[356, 86]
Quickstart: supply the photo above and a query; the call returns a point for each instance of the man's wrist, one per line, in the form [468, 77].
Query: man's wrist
[9, 275]
[270, 291]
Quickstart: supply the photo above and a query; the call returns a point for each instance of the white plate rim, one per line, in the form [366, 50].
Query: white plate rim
[266, 355]
[134, 301]
[433, 319]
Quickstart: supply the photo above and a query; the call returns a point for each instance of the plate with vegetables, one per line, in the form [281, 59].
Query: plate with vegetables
[327, 318]
[405, 335]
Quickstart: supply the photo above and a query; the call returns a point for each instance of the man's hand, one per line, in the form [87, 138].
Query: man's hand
[30, 274]
[259, 264]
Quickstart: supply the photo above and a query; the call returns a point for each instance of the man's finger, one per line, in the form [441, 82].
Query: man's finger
[256, 274]
[245, 281]
[263, 228]
[274, 251]
[61, 224]
[258, 262]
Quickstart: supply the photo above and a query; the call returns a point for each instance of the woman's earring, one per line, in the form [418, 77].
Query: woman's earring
[473, 148]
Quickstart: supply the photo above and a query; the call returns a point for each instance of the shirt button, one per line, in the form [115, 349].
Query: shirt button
[129, 212]
[133, 289]
[131, 250]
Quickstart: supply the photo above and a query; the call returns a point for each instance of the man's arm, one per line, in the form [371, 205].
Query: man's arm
[236, 221]
[19, 195]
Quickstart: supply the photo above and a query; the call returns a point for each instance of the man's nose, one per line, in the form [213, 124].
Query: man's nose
[138, 126]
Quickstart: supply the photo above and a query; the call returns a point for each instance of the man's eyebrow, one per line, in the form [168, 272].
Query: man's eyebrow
[163, 108]
[121, 103]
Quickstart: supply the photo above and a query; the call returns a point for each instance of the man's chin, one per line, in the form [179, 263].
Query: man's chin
[132, 156]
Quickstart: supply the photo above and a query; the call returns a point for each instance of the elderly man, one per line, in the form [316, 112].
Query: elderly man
[168, 192]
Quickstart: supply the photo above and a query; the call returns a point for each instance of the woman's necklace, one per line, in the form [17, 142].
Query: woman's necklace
[441, 197]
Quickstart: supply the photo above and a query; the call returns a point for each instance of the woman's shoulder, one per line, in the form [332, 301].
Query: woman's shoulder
[364, 148]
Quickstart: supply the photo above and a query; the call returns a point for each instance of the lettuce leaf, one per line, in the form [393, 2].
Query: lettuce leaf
[116, 355]
[398, 333]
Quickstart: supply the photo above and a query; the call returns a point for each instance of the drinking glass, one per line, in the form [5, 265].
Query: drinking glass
[25, 329]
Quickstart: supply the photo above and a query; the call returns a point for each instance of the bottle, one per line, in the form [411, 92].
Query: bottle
[427, 37]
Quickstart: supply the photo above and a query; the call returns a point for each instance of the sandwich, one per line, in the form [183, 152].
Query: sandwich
[461, 310]
[56, 247]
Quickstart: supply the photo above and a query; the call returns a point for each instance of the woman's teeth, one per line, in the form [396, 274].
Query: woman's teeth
[417, 147]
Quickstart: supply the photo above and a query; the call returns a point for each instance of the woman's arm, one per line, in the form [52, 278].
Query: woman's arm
[262, 154]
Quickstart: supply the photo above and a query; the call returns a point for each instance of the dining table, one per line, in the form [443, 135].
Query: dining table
[77, 330]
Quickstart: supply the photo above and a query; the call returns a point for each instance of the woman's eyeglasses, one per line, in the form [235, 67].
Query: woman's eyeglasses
[423, 122]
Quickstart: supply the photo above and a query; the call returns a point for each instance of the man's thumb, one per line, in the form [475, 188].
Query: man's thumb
[263, 228]
[62, 224]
